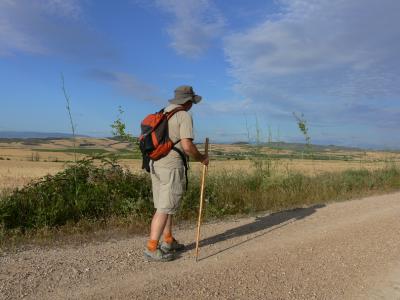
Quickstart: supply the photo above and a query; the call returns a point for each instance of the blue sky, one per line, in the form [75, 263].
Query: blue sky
[334, 61]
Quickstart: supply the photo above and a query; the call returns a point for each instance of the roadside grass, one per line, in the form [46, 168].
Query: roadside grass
[86, 197]
[240, 193]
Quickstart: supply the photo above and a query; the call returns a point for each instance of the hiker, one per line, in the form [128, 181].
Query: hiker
[169, 175]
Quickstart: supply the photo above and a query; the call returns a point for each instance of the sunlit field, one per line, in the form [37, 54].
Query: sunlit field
[20, 162]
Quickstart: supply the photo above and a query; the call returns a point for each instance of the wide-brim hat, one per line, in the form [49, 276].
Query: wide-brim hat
[183, 94]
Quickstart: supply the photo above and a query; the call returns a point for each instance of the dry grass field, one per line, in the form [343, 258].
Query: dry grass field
[16, 173]
[22, 161]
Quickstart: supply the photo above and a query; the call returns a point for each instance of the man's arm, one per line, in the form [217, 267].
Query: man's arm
[191, 150]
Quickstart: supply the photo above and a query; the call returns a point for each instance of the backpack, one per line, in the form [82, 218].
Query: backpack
[154, 141]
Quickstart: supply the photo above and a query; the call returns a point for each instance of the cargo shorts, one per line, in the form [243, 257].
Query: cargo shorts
[168, 187]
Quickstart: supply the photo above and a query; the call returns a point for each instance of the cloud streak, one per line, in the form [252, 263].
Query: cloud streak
[127, 84]
[196, 24]
[324, 58]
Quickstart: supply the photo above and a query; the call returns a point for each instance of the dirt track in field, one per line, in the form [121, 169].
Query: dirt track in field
[348, 250]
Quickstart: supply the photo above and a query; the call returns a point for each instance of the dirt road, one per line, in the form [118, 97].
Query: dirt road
[348, 250]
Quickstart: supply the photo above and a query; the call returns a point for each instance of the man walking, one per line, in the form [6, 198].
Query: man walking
[168, 176]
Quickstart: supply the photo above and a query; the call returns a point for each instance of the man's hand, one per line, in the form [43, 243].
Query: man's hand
[205, 161]
[191, 150]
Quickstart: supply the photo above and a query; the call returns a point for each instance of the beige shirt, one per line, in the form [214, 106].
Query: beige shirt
[180, 126]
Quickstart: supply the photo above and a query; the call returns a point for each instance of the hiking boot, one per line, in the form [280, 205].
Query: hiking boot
[157, 255]
[174, 246]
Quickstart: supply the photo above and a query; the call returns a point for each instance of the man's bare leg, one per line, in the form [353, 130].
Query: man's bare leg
[157, 225]
[168, 226]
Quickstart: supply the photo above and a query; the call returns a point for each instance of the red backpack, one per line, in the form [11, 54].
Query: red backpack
[154, 141]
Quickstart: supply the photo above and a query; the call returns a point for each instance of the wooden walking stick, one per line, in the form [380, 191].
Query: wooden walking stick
[203, 180]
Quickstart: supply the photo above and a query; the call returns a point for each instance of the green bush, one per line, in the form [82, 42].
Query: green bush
[238, 193]
[85, 191]
[82, 191]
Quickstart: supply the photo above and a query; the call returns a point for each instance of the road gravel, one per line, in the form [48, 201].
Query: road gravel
[346, 250]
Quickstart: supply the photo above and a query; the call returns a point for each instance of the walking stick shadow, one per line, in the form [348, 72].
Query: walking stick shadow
[260, 224]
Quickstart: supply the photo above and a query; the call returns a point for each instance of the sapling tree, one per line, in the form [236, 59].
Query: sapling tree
[68, 107]
[302, 124]
[119, 129]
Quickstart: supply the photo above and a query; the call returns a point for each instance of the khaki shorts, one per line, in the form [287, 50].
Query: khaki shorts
[168, 188]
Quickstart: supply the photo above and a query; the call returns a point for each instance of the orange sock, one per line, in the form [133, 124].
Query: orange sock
[168, 238]
[152, 245]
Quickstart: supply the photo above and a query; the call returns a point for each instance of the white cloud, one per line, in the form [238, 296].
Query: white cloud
[18, 19]
[236, 106]
[319, 56]
[48, 27]
[64, 8]
[196, 24]
[12, 39]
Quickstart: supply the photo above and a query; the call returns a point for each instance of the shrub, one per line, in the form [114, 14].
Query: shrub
[84, 191]
[239, 193]
[81, 191]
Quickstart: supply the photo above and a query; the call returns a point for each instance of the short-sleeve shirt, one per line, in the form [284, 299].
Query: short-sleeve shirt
[180, 126]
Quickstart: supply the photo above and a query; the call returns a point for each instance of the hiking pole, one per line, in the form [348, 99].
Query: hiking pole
[203, 180]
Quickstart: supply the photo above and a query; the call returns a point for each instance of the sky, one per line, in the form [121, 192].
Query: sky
[255, 63]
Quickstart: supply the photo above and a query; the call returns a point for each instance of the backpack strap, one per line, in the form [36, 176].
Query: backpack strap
[174, 111]
[185, 162]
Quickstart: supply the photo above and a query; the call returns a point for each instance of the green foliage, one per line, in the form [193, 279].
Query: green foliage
[107, 191]
[101, 192]
[243, 193]
[302, 124]
[119, 129]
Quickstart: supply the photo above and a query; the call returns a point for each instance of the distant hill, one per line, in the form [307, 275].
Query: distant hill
[301, 146]
[33, 135]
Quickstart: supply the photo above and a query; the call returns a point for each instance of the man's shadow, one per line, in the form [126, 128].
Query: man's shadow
[261, 223]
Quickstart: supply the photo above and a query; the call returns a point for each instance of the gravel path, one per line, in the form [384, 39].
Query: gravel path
[345, 250]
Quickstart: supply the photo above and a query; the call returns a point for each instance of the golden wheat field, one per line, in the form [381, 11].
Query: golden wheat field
[20, 162]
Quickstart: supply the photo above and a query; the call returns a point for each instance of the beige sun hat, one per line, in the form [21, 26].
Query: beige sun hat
[183, 94]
